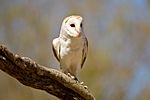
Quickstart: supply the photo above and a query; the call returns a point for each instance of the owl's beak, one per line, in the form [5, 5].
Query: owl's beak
[78, 32]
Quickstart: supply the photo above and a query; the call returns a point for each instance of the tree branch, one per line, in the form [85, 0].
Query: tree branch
[31, 74]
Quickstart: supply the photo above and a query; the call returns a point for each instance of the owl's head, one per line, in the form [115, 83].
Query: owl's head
[72, 26]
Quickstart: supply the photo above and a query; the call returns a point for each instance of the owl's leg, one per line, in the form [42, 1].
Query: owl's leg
[74, 70]
[65, 69]
[67, 72]
[75, 78]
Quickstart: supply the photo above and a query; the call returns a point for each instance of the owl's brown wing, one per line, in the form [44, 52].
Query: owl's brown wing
[84, 51]
[56, 48]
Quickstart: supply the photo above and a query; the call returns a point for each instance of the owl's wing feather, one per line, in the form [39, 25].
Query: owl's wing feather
[84, 52]
[56, 48]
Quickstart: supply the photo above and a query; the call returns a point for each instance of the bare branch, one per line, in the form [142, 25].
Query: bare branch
[31, 74]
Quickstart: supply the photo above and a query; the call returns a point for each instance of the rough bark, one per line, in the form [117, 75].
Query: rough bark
[31, 74]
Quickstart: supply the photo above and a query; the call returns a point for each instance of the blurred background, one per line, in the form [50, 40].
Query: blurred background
[118, 31]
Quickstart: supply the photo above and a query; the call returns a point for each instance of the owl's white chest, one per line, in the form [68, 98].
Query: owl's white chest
[71, 46]
[71, 54]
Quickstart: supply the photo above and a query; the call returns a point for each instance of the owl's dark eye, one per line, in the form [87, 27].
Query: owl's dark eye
[81, 25]
[72, 25]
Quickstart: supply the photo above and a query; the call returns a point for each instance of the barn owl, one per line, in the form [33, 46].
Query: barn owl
[71, 47]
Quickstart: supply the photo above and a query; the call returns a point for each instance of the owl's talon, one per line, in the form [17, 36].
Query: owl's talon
[71, 76]
[86, 87]
[81, 83]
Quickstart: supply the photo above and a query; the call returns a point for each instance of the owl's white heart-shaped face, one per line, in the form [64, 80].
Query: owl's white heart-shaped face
[72, 25]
